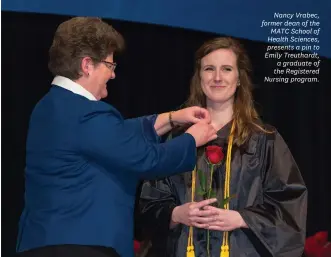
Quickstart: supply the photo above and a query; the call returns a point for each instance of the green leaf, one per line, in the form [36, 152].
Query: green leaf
[226, 201]
[212, 194]
[202, 180]
[201, 192]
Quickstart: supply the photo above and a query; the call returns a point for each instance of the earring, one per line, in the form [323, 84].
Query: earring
[238, 83]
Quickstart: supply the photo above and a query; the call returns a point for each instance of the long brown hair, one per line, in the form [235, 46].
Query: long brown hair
[245, 115]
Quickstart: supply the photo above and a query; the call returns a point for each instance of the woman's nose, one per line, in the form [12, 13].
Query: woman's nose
[218, 75]
[113, 75]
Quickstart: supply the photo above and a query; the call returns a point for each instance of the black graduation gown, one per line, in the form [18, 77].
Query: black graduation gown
[270, 196]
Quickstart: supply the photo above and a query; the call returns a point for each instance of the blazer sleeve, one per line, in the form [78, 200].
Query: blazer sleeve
[279, 223]
[147, 123]
[132, 145]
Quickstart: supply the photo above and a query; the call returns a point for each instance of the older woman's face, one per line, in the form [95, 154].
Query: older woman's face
[100, 75]
[219, 75]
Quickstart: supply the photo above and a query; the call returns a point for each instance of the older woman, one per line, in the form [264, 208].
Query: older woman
[262, 198]
[84, 161]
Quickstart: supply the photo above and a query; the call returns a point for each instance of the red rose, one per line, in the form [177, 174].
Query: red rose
[214, 154]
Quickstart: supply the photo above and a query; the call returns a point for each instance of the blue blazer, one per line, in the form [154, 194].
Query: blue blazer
[83, 163]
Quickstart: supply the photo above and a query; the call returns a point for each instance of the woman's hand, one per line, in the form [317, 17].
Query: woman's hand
[190, 115]
[193, 214]
[225, 220]
[187, 116]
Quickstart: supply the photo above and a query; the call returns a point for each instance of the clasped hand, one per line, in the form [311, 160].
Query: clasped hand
[202, 215]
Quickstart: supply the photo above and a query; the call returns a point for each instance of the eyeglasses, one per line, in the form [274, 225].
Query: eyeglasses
[110, 65]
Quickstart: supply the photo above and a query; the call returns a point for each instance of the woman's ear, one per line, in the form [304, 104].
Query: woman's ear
[86, 66]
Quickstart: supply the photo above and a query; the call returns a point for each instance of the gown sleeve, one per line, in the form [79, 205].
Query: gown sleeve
[279, 222]
[155, 202]
[155, 205]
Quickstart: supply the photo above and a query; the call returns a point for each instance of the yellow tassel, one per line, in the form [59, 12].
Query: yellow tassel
[190, 251]
[190, 254]
[224, 254]
[225, 251]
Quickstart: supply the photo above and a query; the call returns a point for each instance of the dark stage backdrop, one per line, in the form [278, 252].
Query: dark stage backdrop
[153, 76]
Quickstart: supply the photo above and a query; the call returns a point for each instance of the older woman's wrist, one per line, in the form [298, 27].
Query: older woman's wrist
[173, 119]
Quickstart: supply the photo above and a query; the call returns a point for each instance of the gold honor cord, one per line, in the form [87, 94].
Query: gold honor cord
[190, 246]
[225, 249]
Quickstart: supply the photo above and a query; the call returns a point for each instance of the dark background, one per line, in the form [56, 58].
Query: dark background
[153, 76]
